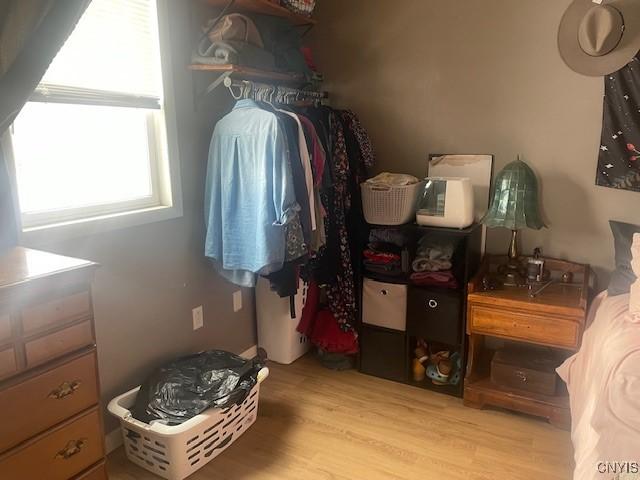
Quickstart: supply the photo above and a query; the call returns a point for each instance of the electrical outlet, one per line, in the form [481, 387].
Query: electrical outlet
[237, 300]
[198, 317]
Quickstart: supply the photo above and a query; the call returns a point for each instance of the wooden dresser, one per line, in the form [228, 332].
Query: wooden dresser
[51, 424]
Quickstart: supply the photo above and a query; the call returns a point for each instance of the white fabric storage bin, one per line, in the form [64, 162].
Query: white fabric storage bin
[384, 305]
[277, 332]
[175, 452]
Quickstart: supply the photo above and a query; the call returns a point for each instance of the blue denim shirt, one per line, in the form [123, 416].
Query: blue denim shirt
[249, 196]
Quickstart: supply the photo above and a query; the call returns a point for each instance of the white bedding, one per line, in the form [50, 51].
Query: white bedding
[603, 379]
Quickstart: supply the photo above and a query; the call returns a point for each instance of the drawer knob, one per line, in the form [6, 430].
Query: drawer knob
[72, 448]
[65, 389]
[432, 303]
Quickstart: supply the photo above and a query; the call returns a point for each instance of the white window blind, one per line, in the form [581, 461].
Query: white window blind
[114, 48]
[92, 141]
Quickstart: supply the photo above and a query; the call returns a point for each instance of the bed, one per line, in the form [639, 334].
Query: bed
[603, 380]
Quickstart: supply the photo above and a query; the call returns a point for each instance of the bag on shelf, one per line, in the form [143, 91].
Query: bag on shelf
[301, 7]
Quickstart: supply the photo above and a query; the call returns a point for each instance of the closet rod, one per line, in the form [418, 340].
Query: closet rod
[247, 87]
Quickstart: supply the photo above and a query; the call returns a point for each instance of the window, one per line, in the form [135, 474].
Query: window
[92, 140]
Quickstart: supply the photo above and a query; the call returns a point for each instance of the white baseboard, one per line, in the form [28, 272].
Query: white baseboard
[113, 439]
[250, 352]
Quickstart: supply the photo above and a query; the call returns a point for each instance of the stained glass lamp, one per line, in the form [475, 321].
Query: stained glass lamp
[514, 205]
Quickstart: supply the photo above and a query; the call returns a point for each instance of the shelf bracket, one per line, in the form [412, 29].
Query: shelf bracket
[215, 84]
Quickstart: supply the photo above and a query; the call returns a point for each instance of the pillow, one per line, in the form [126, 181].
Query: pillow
[623, 275]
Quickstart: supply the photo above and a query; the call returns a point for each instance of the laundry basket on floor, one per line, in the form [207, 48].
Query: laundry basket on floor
[175, 452]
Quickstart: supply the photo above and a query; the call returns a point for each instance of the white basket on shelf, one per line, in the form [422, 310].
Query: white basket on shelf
[389, 205]
[175, 452]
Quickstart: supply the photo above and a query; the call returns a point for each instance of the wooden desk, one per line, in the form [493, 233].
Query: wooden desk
[555, 318]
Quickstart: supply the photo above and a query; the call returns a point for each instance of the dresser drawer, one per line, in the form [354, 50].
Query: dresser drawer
[56, 312]
[48, 399]
[552, 331]
[8, 364]
[59, 454]
[5, 327]
[99, 472]
[57, 344]
[435, 315]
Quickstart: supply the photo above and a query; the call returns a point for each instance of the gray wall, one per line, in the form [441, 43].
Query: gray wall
[153, 275]
[478, 76]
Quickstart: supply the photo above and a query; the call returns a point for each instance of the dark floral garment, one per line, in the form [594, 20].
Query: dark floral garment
[341, 294]
[367, 154]
[349, 155]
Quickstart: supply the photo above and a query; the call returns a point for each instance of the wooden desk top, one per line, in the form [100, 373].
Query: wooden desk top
[559, 299]
[19, 265]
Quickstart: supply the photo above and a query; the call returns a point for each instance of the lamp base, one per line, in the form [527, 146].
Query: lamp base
[513, 271]
[512, 274]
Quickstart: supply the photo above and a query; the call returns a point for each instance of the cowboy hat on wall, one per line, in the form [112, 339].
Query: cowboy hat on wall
[599, 37]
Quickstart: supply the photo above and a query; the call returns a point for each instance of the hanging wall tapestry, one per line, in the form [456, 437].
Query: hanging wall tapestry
[619, 159]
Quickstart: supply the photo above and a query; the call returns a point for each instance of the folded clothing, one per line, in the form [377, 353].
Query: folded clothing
[393, 180]
[393, 269]
[381, 257]
[384, 247]
[232, 51]
[432, 256]
[424, 264]
[436, 279]
[387, 235]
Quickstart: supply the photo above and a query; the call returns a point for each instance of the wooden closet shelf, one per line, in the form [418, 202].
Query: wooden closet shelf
[264, 7]
[249, 73]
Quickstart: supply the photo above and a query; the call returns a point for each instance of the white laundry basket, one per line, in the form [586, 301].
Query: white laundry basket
[389, 205]
[277, 331]
[175, 452]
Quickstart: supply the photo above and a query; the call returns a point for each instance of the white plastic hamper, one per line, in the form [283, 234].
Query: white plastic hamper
[389, 205]
[277, 332]
[175, 452]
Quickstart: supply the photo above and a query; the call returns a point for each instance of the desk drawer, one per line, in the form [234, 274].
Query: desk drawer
[8, 364]
[57, 344]
[47, 399]
[553, 331]
[56, 312]
[58, 455]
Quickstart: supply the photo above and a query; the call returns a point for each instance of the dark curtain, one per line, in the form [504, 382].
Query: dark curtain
[31, 33]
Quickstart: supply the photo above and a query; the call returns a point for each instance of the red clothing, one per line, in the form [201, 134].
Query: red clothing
[322, 328]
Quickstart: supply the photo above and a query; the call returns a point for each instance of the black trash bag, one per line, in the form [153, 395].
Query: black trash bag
[182, 389]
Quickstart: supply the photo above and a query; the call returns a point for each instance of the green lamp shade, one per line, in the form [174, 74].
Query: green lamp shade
[514, 204]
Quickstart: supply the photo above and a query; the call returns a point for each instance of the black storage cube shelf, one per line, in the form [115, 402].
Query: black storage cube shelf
[434, 314]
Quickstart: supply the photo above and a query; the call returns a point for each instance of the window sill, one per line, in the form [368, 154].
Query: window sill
[95, 225]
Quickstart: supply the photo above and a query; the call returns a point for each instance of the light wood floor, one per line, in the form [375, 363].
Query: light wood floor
[319, 424]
